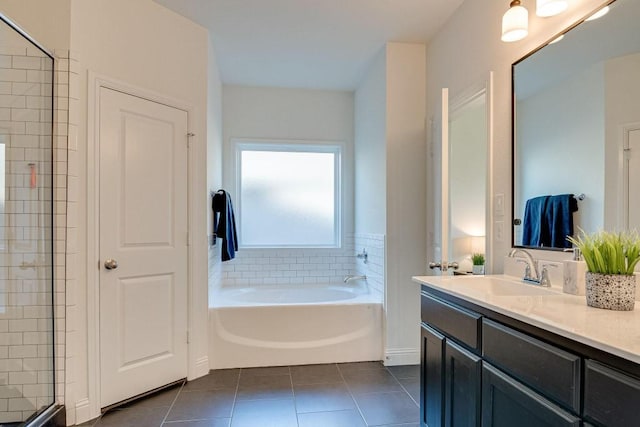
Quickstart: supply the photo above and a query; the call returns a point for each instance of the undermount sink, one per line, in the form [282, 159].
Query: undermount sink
[501, 286]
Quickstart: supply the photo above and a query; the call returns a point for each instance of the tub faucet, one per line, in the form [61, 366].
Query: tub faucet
[351, 277]
[532, 265]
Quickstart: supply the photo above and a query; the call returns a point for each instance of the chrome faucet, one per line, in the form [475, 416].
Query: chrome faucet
[351, 277]
[532, 266]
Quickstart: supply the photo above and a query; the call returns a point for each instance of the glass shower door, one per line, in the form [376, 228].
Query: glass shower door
[27, 380]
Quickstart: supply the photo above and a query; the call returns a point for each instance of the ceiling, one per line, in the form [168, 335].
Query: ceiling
[319, 44]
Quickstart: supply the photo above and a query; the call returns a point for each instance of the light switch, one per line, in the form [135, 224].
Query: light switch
[498, 208]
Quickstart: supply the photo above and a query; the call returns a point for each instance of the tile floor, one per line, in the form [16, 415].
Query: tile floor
[333, 395]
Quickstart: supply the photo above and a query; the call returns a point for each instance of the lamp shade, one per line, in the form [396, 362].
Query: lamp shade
[515, 23]
[547, 8]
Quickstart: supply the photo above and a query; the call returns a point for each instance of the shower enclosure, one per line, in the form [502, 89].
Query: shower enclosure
[27, 376]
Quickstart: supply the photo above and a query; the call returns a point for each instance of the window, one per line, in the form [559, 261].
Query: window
[289, 195]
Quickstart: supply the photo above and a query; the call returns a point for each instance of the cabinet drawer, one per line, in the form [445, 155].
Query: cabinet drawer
[506, 402]
[545, 368]
[460, 324]
[611, 397]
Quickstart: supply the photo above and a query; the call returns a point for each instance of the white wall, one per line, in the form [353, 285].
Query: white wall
[462, 54]
[290, 114]
[622, 108]
[371, 148]
[144, 45]
[46, 21]
[406, 199]
[568, 158]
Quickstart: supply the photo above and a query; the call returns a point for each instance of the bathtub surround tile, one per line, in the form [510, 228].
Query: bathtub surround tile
[387, 408]
[265, 413]
[202, 405]
[334, 419]
[322, 398]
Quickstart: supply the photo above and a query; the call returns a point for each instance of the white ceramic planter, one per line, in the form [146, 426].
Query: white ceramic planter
[611, 291]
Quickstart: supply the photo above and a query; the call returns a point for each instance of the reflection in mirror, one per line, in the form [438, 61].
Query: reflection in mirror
[467, 179]
[577, 131]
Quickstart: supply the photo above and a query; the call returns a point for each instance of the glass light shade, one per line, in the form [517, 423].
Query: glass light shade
[547, 8]
[515, 24]
[557, 39]
[599, 14]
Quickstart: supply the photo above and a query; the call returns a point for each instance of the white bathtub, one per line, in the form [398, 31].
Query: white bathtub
[294, 325]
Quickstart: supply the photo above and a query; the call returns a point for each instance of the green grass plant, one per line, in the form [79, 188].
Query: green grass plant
[477, 259]
[608, 252]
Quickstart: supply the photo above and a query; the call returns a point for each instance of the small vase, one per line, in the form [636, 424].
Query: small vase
[611, 291]
[478, 269]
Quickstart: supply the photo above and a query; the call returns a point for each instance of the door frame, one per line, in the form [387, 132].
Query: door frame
[195, 366]
[623, 174]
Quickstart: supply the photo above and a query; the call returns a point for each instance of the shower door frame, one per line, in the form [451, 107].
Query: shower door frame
[55, 410]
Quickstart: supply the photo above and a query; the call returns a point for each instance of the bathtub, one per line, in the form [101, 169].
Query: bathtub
[294, 325]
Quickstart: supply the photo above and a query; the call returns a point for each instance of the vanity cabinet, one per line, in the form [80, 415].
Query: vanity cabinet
[481, 368]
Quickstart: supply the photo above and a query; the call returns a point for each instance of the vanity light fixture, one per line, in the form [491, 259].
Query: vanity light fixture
[546, 8]
[515, 22]
[598, 14]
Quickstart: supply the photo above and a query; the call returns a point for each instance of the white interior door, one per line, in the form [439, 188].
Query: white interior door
[143, 245]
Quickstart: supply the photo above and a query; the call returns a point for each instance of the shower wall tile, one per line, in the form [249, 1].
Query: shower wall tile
[256, 267]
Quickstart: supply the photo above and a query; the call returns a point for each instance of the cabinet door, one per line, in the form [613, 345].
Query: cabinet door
[462, 387]
[611, 398]
[508, 403]
[431, 378]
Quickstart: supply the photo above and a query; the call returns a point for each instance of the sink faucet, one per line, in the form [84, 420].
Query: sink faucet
[532, 265]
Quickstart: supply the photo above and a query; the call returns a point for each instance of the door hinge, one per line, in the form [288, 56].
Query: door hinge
[190, 135]
[187, 337]
[188, 239]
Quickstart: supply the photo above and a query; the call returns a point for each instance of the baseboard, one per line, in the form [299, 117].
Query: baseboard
[201, 367]
[401, 356]
[82, 412]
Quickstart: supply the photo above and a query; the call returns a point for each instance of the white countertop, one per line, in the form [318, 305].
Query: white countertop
[616, 332]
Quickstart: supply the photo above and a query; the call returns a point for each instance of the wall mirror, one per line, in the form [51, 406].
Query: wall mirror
[576, 131]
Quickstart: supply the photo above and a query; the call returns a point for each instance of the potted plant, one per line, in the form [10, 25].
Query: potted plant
[611, 260]
[478, 263]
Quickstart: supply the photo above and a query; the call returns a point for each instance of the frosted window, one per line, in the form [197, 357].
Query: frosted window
[288, 198]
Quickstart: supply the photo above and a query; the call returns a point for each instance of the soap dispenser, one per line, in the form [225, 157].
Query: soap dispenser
[574, 274]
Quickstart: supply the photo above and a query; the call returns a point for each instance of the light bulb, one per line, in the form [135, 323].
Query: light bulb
[598, 14]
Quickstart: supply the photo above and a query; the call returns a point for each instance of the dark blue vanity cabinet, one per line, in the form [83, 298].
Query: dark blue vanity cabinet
[481, 368]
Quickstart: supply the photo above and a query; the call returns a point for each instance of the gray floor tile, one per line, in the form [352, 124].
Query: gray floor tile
[223, 378]
[265, 387]
[316, 374]
[322, 398]
[405, 371]
[388, 408]
[412, 385]
[202, 405]
[270, 370]
[331, 419]
[360, 366]
[265, 413]
[216, 422]
[162, 398]
[375, 381]
[134, 417]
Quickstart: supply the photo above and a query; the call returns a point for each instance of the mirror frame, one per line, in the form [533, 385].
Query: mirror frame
[513, 125]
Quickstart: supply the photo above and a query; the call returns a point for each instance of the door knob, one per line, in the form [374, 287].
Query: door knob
[111, 264]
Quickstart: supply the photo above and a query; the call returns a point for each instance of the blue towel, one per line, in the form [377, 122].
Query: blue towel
[535, 232]
[559, 219]
[224, 222]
